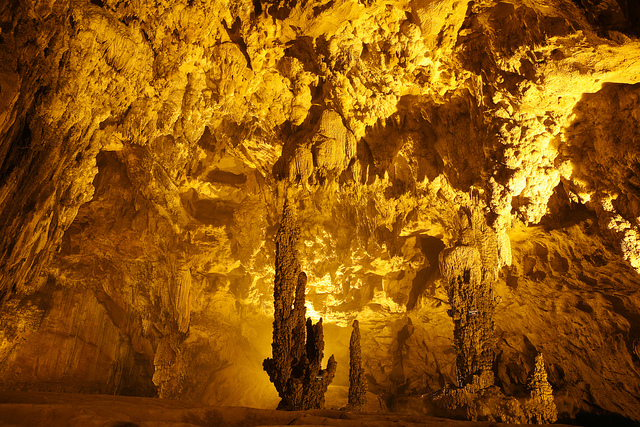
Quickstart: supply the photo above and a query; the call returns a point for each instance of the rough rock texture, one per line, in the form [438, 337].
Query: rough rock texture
[145, 150]
[295, 368]
[357, 380]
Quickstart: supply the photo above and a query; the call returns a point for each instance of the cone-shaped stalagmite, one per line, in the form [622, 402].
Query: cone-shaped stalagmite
[540, 409]
[295, 369]
[357, 385]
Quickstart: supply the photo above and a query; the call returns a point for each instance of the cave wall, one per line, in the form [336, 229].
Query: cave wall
[146, 151]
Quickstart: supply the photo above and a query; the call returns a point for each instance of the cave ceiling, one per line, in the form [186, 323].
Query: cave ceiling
[147, 149]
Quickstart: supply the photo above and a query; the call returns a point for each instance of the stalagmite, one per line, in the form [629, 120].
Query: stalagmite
[540, 408]
[470, 271]
[357, 384]
[295, 368]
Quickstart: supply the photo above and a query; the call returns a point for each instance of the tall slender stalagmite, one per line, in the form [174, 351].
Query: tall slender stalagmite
[295, 368]
[357, 385]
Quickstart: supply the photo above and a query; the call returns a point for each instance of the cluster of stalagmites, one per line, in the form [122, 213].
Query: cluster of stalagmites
[295, 368]
[470, 270]
[477, 401]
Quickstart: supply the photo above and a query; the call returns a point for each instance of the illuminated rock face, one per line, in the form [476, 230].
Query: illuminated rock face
[146, 151]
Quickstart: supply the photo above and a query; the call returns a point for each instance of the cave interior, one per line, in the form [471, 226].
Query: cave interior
[402, 211]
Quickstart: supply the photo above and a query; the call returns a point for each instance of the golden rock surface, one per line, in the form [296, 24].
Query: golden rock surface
[147, 148]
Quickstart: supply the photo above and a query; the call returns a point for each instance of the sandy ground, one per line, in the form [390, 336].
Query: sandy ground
[61, 409]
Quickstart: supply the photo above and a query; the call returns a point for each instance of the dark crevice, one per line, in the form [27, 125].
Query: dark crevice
[16, 153]
[257, 7]
[234, 34]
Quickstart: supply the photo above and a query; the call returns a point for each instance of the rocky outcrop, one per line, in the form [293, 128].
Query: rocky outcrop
[477, 401]
[295, 368]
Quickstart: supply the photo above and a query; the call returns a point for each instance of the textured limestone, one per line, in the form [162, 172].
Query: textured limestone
[145, 149]
[480, 400]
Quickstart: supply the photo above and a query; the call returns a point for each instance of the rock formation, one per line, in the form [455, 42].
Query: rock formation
[295, 368]
[475, 401]
[540, 408]
[470, 270]
[357, 380]
[145, 149]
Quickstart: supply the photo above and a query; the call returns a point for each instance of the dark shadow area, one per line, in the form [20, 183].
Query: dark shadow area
[562, 212]
[218, 213]
[399, 381]
[236, 37]
[17, 151]
[589, 419]
[257, 8]
[302, 48]
[228, 178]
[633, 318]
[426, 277]
[618, 15]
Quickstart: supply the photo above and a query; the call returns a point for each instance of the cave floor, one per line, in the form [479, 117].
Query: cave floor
[67, 409]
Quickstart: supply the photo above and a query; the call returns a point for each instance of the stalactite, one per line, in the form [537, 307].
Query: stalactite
[357, 385]
[183, 298]
[295, 368]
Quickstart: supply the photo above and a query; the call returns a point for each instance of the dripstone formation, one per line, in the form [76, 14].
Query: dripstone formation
[295, 367]
[540, 408]
[357, 381]
[470, 270]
